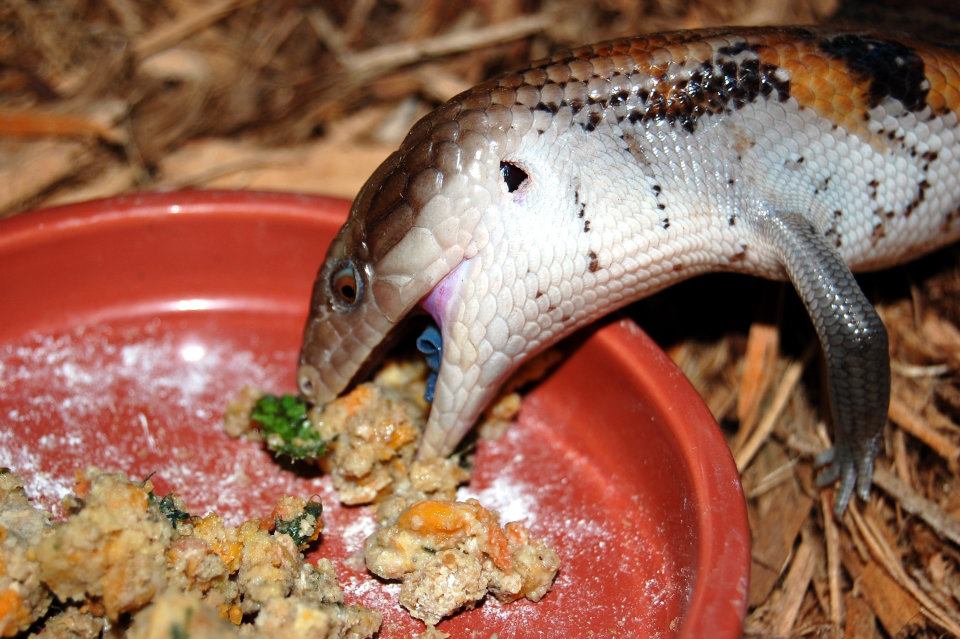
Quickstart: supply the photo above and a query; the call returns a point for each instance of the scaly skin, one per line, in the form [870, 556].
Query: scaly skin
[539, 201]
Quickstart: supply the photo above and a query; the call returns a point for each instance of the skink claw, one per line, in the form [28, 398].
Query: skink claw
[853, 469]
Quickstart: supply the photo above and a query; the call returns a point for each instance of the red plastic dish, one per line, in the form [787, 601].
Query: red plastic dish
[127, 323]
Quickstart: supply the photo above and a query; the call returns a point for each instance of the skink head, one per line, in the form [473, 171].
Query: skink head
[409, 227]
[479, 218]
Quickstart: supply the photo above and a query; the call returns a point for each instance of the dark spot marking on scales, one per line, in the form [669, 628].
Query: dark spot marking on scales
[741, 255]
[732, 220]
[619, 98]
[879, 232]
[594, 265]
[918, 199]
[593, 121]
[950, 218]
[823, 185]
[665, 223]
[892, 69]
[586, 226]
[583, 210]
[733, 50]
[538, 295]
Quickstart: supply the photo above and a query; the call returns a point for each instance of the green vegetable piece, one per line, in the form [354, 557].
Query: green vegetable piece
[286, 428]
[301, 527]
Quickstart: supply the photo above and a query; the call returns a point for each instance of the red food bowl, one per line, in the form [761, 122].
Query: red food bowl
[127, 323]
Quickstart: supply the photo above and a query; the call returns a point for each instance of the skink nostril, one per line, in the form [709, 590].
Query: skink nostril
[307, 380]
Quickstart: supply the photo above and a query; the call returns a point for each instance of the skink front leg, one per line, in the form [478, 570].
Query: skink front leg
[854, 343]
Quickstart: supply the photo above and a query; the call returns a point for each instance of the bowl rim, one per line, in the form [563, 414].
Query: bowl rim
[718, 602]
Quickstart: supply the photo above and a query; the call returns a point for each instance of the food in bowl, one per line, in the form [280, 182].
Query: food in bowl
[133, 563]
[448, 554]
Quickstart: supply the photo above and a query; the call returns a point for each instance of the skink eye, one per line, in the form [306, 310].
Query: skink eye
[513, 176]
[346, 286]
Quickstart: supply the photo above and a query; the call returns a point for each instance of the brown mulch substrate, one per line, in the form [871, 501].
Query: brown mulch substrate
[102, 97]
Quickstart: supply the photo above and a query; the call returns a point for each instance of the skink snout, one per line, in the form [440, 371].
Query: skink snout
[310, 384]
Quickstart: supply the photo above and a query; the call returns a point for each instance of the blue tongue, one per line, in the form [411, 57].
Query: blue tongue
[430, 343]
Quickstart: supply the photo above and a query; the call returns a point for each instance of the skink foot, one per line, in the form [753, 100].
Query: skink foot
[852, 469]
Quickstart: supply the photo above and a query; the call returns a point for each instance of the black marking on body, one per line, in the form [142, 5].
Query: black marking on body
[820, 188]
[619, 98]
[917, 200]
[594, 264]
[834, 233]
[733, 50]
[834, 230]
[892, 69]
[872, 187]
[732, 220]
[715, 87]
[586, 226]
[949, 220]
[879, 232]
[665, 223]
[583, 210]
[593, 120]
[657, 192]
[741, 255]
[633, 147]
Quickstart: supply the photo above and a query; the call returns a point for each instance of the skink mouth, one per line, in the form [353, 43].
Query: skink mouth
[327, 365]
[319, 391]
[438, 301]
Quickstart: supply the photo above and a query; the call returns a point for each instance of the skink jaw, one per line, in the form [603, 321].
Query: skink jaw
[330, 358]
